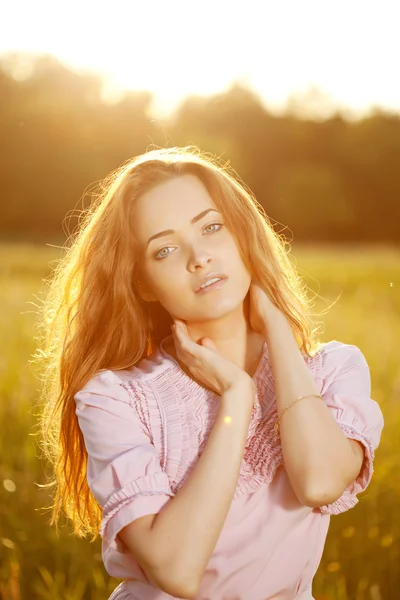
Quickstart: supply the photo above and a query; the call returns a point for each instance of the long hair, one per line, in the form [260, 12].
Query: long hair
[93, 318]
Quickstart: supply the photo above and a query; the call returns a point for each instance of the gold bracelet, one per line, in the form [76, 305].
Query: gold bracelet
[276, 426]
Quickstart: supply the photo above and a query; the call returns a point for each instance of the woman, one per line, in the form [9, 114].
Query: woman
[203, 429]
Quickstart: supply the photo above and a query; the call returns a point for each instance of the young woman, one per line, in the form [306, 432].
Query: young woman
[199, 425]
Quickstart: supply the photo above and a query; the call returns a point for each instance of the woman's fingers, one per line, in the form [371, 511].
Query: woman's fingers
[187, 345]
[183, 344]
[190, 352]
[181, 335]
[183, 327]
[208, 343]
[184, 337]
[204, 361]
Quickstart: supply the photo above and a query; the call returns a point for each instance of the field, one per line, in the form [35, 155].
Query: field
[362, 554]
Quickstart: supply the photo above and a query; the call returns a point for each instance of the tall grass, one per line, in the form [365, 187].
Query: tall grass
[362, 555]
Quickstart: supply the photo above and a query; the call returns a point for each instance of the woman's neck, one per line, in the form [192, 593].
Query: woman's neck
[246, 353]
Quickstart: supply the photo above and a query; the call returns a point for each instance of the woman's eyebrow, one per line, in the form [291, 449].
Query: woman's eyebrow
[194, 220]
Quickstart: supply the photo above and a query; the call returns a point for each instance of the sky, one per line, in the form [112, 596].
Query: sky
[349, 50]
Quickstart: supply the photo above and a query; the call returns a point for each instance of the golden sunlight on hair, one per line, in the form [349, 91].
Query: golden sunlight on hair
[93, 317]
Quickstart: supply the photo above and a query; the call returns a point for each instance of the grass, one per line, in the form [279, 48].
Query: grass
[362, 552]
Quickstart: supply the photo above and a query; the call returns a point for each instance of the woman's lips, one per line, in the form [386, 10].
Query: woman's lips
[212, 287]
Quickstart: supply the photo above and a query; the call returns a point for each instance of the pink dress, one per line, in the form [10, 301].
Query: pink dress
[144, 429]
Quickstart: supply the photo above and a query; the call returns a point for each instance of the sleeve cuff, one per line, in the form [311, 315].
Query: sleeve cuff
[145, 496]
[349, 497]
[137, 507]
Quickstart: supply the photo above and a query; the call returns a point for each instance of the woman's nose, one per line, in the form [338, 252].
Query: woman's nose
[198, 259]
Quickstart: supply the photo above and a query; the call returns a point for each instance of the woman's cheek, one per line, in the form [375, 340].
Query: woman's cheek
[167, 284]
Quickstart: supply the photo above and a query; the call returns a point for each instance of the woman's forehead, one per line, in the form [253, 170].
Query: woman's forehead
[170, 205]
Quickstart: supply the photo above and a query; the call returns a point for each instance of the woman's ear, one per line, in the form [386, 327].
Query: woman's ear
[148, 296]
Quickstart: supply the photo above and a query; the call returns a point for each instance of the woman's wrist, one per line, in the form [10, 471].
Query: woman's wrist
[272, 327]
[242, 383]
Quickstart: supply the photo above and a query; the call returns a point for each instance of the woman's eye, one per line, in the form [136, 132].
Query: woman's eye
[218, 225]
[162, 254]
[166, 251]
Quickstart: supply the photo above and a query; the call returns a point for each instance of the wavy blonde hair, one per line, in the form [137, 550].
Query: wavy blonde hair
[93, 318]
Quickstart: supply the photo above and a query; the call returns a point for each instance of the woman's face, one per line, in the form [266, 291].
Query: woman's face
[183, 243]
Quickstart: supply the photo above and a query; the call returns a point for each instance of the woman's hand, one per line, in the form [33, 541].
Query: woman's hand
[205, 363]
[262, 309]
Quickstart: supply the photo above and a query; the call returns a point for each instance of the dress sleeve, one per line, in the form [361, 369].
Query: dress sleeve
[123, 469]
[346, 391]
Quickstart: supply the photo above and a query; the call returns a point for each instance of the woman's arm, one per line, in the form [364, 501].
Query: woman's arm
[319, 459]
[184, 533]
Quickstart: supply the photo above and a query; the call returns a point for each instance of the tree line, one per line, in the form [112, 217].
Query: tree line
[330, 180]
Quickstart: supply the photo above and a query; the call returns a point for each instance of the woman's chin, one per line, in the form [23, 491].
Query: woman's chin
[221, 310]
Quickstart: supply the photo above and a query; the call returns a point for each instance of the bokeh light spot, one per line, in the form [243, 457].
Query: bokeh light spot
[349, 532]
[9, 485]
[373, 532]
[386, 541]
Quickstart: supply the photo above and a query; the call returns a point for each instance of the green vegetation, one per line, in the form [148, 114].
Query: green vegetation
[362, 552]
[320, 178]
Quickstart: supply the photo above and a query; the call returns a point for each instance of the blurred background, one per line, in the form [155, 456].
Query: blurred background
[303, 101]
